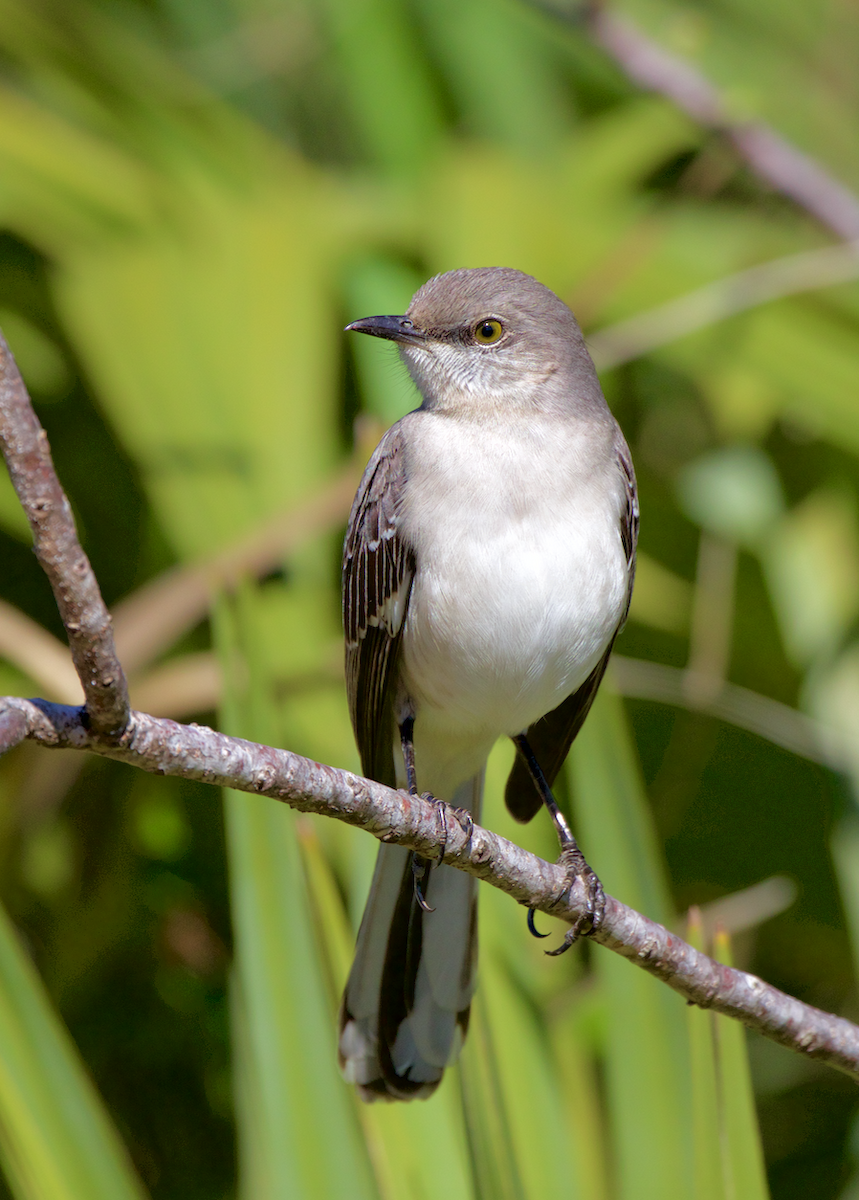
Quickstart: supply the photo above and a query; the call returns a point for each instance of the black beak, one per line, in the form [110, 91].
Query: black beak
[395, 329]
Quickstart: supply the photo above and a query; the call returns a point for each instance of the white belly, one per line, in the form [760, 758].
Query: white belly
[521, 584]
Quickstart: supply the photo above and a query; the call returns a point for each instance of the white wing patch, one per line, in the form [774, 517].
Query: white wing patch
[391, 612]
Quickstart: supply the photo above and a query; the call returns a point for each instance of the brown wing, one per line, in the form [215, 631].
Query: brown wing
[378, 568]
[551, 737]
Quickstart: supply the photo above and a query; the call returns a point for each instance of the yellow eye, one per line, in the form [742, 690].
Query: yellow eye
[488, 331]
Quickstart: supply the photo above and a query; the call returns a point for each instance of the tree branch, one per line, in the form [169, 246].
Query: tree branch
[105, 726]
[196, 752]
[772, 158]
[660, 326]
[794, 731]
[84, 613]
[151, 619]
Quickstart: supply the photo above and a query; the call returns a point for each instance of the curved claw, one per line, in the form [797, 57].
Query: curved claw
[419, 871]
[466, 821]
[441, 817]
[570, 937]
[591, 919]
[587, 923]
[532, 928]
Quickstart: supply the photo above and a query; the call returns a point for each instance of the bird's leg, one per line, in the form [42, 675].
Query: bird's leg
[571, 858]
[420, 865]
[407, 743]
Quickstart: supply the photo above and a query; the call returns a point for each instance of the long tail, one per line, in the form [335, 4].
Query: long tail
[405, 1008]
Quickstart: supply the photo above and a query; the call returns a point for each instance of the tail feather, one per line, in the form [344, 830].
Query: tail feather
[405, 1008]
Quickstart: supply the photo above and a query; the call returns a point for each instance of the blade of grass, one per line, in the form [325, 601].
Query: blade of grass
[487, 1119]
[501, 75]
[526, 1117]
[390, 93]
[845, 854]
[647, 1053]
[304, 1139]
[513, 1063]
[57, 1141]
[707, 1148]
[397, 1135]
[584, 1114]
[743, 1159]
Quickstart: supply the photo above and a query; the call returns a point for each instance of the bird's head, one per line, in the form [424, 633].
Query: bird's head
[489, 336]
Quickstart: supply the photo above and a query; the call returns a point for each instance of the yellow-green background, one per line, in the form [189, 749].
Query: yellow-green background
[195, 196]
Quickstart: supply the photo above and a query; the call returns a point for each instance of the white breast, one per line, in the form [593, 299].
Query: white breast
[521, 581]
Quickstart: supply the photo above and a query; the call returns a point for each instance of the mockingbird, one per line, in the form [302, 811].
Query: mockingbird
[487, 570]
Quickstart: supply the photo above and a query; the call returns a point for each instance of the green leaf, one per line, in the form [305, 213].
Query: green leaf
[396, 113]
[57, 1141]
[534, 1054]
[845, 853]
[745, 1174]
[484, 205]
[812, 563]
[706, 1122]
[485, 1109]
[812, 356]
[13, 520]
[217, 385]
[646, 1051]
[499, 64]
[735, 493]
[661, 598]
[299, 1132]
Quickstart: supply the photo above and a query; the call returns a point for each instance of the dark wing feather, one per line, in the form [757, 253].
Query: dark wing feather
[378, 568]
[628, 520]
[551, 737]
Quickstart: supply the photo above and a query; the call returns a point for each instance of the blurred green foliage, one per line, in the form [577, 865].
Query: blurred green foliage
[195, 195]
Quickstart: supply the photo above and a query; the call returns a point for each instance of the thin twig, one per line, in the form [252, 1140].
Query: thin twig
[38, 654]
[196, 752]
[787, 276]
[181, 686]
[768, 718]
[150, 620]
[84, 614]
[192, 684]
[712, 626]
[769, 155]
[748, 908]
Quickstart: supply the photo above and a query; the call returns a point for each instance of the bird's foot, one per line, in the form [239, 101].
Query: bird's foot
[589, 922]
[441, 818]
[465, 821]
[462, 815]
[421, 866]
